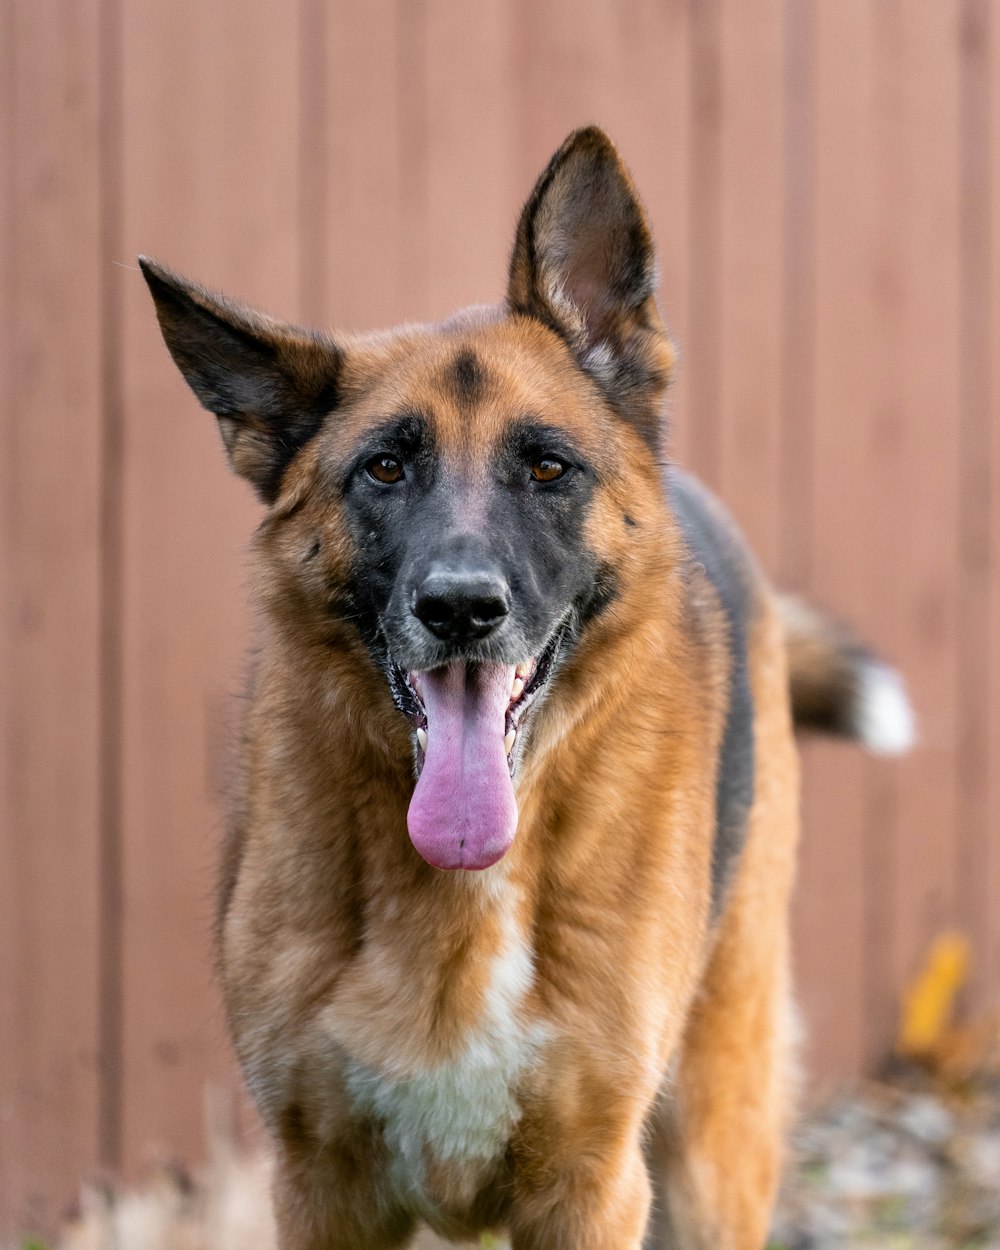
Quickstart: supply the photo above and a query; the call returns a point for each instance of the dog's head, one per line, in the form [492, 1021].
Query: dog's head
[461, 501]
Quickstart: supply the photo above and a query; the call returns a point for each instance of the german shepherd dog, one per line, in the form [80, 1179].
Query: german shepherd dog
[502, 920]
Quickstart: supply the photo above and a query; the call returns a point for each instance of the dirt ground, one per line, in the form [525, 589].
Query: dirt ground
[907, 1164]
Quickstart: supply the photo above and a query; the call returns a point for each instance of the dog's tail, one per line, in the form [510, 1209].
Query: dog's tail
[838, 685]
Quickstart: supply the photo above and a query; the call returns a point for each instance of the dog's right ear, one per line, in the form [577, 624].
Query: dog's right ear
[270, 385]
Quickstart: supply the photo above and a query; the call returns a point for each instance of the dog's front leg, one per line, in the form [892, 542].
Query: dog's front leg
[594, 1194]
[335, 1201]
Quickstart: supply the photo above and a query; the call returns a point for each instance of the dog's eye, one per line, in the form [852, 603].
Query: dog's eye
[386, 469]
[547, 469]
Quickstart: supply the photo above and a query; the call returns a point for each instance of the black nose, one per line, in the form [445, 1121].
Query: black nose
[460, 605]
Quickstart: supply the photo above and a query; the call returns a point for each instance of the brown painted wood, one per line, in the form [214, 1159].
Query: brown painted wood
[666, 62]
[830, 908]
[211, 156]
[752, 235]
[470, 177]
[562, 75]
[798, 297]
[704, 310]
[991, 663]
[976, 839]
[916, 454]
[368, 179]
[50, 475]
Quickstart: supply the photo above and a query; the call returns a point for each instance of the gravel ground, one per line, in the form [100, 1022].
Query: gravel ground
[911, 1164]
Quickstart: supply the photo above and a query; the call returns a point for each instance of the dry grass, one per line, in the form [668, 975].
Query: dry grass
[226, 1207]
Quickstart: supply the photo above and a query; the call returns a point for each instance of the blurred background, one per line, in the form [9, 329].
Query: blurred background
[823, 179]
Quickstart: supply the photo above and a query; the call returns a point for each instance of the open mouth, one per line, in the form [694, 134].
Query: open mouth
[408, 691]
[467, 718]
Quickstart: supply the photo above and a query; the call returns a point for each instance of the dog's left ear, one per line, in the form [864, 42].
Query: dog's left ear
[583, 263]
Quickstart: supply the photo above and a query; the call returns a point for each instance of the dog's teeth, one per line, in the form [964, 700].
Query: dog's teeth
[422, 739]
[523, 670]
[508, 742]
[517, 688]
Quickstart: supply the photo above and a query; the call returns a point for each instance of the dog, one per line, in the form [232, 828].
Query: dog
[503, 908]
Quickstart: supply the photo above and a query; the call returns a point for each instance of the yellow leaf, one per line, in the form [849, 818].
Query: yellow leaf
[928, 1002]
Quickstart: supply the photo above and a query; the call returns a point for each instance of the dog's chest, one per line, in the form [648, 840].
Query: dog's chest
[448, 1122]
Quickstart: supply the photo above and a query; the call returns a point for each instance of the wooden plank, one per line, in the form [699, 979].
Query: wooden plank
[369, 200]
[830, 905]
[990, 676]
[978, 569]
[470, 175]
[211, 156]
[704, 312]
[411, 58]
[565, 58]
[111, 528]
[886, 468]
[751, 225]
[915, 458]
[798, 381]
[668, 168]
[317, 66]
[51, 614]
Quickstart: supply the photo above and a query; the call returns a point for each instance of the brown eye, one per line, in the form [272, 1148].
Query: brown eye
[547, 469]
[386, 469]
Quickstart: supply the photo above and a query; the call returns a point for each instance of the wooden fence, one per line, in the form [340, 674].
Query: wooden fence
[823, 176]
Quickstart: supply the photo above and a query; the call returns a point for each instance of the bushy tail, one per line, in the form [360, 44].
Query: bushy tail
[838, 685]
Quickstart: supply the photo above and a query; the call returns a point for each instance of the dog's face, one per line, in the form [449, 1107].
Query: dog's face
[460, 499]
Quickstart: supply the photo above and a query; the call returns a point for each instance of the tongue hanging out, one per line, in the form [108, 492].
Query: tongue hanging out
[463, 812]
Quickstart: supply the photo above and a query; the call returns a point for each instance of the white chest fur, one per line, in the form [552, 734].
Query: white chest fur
[460, 1112]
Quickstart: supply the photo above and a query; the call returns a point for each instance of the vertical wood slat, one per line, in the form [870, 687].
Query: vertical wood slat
[752, 230]
[367, 267]
[798, 331]
[210, 149]
[314, 71]
[909, 872]
[668, 195]
[50, 550]
[703, 437]
[470, 178]
[830, 898]
[915, 453]
[883, 497]
[562, 77]
[978, 862]
[991, 675]
[12, 1178]
[110, 591]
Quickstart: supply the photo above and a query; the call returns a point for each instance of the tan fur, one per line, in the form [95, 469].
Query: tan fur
[335, 946]
[720, 1143]
[569, 1043]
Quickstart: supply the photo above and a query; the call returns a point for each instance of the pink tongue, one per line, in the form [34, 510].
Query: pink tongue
[463, 813]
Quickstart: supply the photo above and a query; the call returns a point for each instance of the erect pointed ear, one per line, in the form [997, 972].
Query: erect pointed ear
[269, 384]
[583, 263]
